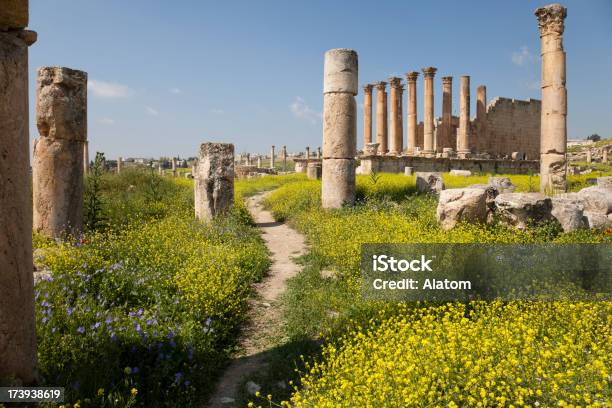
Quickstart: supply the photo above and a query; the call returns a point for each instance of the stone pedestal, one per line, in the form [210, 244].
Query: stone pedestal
[381, 117]
[17, 323]
[463, 133]
[444, 136]
[367, 114]
[314, 170]
[214, 180]
[339, 128]
[553, 135]
[428, 120]
[411, 132]
[57, 168]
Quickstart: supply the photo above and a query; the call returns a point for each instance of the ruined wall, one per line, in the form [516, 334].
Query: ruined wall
[512, 125]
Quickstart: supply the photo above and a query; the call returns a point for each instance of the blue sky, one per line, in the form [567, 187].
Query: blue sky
[166, 76]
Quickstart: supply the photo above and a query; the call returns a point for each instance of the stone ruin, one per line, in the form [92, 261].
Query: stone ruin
[57, 168]
[214, 180]
[17, 323]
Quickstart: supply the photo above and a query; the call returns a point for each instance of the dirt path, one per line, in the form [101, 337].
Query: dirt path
[284, 244]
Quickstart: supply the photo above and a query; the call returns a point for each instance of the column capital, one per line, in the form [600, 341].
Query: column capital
[551, 19]
[429, 72]
[395, 82]
[368, 88]
[411, 76]
[380, 85]
[447, 80]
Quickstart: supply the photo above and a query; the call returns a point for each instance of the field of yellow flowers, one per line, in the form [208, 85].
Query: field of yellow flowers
[396, 355]
[144, 310]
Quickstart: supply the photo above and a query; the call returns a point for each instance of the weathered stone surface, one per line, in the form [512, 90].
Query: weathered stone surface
[429, 182]
[339, 120]
[464, 173]
[461, 204]
[214, 180]
[596, 199]
[338, 187]
[503, 184]
[340, 71]
[370, 149]
[57, 173]
[17, 323]
[605, 182]
[597, 220]
[13, 14]
[61, 103]
[314, 170]
[569, 212]
[491, 192]
[300, 165]
[523, 209]
[552, 173]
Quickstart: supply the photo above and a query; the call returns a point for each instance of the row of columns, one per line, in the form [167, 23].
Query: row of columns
[393, 145]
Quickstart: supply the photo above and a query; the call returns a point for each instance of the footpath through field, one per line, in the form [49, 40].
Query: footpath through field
[264, 319]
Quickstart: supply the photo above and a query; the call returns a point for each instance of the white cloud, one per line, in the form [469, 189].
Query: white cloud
[151, 111]
[301, 110]
[106, 121]
[175, 91]
[522, 56]
[108, 89]
[217, 111]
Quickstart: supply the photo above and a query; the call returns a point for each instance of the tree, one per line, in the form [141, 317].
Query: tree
[594, 137]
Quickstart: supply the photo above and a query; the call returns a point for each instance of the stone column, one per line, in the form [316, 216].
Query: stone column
[444, 137]
[428, 120]
[173, 167]
[258, 161]
[119, 164]
[307, 152]
[553, 127]
[272, 157]
[411, 132]
[319, 152]
[160, 170]
[57, 168]
[481, 113]
[284, 158]
[86, 157]
[214, 180]
[367, 114]
[339, 128]
[604, 156]
[17, 322]
[463, 133]
[589, 156]
[396, 138]
[381, 117]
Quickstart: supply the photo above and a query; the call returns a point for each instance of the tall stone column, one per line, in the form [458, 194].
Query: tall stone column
[57, 168]
[339, 128]
[319, 152]
[367, 114]
[553, 127]
[411, 131]
[381, 117]
[119, 164]
[444, 137]
[284, 152]
[428, 120]
[463, 133]
[214, 180]
[396, 139]
[272, 157]
[86, 157]
[307, 152]
[17, 323]
[481, 113]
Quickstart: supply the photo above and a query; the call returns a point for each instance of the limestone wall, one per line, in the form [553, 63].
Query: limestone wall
[512, 125]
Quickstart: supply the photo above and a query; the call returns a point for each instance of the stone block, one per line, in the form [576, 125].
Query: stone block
[503, 184]
[340, 71]
[408, 171]
[596, 199]
[429, 182]
[464, 173]
[569, 212]
[597, 220]
[314, 170]
[523, 209]
[605, 183]
[461, 205]
[370, 149]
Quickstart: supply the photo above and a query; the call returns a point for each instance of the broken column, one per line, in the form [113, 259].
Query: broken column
[444, 137]
[411, 135]
[313, 170]
[17, 322]
[214, 180]
[367, 114]
[381, 117]
[396, 141]
[272, 157]
[119, 164]
[57, 168]
[553, 127]
[463, 133]
[339, 128]
[428, 120]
